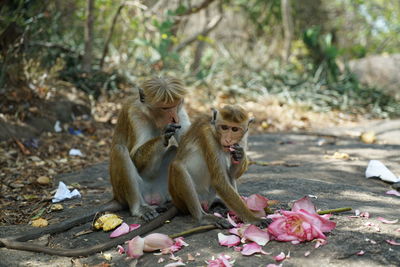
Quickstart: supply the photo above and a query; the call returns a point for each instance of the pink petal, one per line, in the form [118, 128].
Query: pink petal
[397, 230]
[221, 261]
[387, 221]
[273, 265]
[251, 248]
[135, 247]
[307, 253]
[280, 257]
[216, 214]
[237, 249]
[121, 249]
[228, 240]
[179, 242]
[160, 260]
[304, 204]
[174, 264]
[392, 242]
[393, 192]
[320, 242]
[231, 221]
[364, 214]
[133, 226]
[157, 241]
[121, 230]
[256, 202]
[257, 235]
[360, 253]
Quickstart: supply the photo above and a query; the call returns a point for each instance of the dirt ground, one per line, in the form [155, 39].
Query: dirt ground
[308, 169]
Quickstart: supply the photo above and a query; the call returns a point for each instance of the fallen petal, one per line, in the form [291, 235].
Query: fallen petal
[133, 226]
[304, 204]
[231, 221]
[160, 260]
[256, 202]
[135, 247]
[251, 248]
[360, 253]
[157, 241]
[216, 214]
[307, 253]
[228, 240]
[179, 263]
[364, 214]
[387, 221]
[190, 257]
[280, 257]
[393, 192]
[392, 242]
[257, 235]
[121, 249]
[121, 230]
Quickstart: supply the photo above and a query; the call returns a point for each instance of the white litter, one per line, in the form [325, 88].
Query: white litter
[377, 169]
[75, 152]
[63, 193]
[57, 127]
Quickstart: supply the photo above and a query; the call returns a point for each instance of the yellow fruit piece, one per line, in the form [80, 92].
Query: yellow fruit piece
[40, 222]
[368, 137]
[107, 222]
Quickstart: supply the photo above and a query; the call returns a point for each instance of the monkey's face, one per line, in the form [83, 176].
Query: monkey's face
[229, 133]
[165, 114]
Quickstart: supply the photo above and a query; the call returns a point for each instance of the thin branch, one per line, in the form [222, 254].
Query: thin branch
[197, 8]
[110, 34]
[212, 25]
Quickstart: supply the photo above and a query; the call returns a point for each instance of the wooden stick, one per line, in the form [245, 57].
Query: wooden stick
[195, 230]
[322, 212]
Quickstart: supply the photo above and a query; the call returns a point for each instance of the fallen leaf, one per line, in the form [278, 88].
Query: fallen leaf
[40, 222]
[107, 222]
[43, 180]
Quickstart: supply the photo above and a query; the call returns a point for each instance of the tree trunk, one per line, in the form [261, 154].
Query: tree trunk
[287, 28]
[88, 53]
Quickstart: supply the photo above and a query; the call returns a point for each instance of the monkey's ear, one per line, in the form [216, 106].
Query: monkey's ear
[214, 115]
[141, 95]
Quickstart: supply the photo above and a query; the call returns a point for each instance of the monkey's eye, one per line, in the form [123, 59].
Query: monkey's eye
[235, 129]
[224, 127]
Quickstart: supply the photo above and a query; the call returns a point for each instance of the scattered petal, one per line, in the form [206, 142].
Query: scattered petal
[174, 264]
[228, 240]
[257, 235]
[357, 212]
[360, 253]
[393, 192]
[365, 214]
[304, 204]
[237, 249]
[280, 257]
[307, 253]
[121, 230]
[135, 247]
[231, 221]
[160, 260]
[216, 214]
[157, 241]
[393, 242]
[320, 242]
[387, 221]
[121, 249]
[133, 226]
[221, 261]
[251, 248]
[256, 202]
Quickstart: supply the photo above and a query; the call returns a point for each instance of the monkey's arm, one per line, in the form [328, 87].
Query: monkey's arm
[237, 170]
[149, 154]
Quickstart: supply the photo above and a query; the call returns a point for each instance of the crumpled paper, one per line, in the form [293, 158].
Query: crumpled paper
[63, 193]
[377, 169]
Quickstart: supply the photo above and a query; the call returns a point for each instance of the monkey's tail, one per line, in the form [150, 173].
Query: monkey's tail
[76, 252]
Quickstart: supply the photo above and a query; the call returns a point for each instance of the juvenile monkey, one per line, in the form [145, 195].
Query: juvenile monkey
[140, 151]
[210, 158]
[139, 159]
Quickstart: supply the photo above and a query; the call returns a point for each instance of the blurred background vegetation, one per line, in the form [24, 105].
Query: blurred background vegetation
[296, 52]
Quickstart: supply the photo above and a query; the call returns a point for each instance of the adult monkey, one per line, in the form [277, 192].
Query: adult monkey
[139, 160]
[210, 158]
[140, 154]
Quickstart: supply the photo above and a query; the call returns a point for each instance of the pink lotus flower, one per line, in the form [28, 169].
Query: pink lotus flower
[301, 224]
[221, 261]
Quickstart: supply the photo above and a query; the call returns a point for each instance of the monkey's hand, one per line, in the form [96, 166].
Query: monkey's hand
[221, 223]
[237, 153]
[169, 131]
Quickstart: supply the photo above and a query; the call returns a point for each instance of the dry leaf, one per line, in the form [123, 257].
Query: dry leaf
[368, 137]
[40, 222]
[56, 207]
[107, 222]
[43, 180]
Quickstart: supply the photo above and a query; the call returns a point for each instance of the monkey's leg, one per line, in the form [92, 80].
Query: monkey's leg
[188, 197]
[126, 179]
